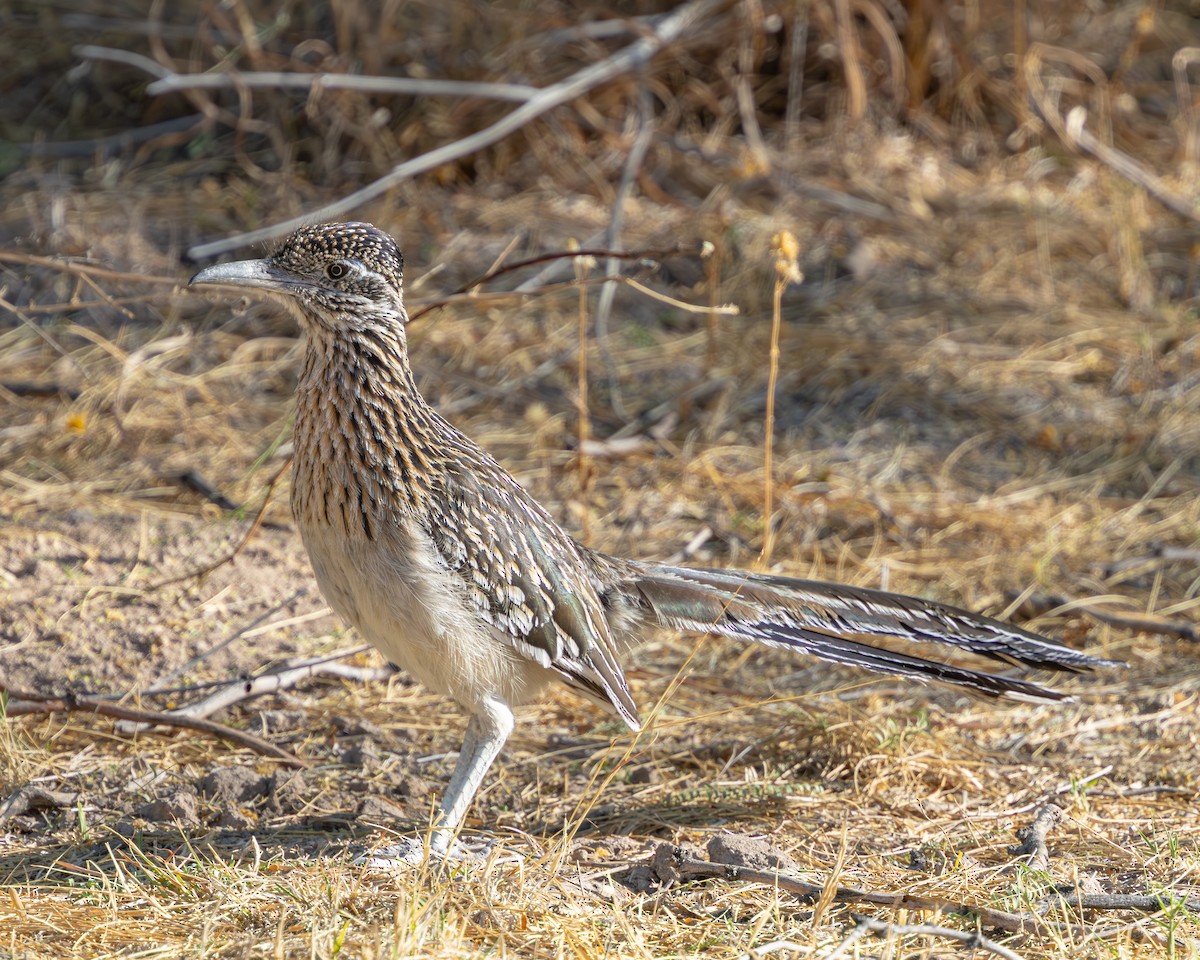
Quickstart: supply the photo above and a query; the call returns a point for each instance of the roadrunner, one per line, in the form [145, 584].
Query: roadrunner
[435, 553]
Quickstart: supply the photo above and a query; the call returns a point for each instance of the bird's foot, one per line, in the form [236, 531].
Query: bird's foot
[413, 852]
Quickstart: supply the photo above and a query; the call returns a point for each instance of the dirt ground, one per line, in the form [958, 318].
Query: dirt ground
[987, 395]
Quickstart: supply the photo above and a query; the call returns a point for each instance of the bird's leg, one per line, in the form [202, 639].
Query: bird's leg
[486, 733]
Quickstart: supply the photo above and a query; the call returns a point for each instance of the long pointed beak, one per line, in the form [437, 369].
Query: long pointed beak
[262, 274]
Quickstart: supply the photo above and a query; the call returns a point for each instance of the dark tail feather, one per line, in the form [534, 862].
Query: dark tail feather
[835, 623]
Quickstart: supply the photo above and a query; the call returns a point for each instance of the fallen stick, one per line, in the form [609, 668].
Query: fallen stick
[21, 703]
[970, 938]
[244, 689]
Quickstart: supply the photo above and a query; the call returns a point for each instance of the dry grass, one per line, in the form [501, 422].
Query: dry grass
[986, 394]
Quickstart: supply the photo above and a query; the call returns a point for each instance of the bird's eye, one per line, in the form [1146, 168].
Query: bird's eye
[336, 270]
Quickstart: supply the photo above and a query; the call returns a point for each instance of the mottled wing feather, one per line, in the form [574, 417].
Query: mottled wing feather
[526, 577]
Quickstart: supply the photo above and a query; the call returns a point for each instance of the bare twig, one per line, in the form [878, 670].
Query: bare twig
[239, 634]
[685, 250]
[680, 21]
[403, 86]
[583, 266]
[1188, 114]
[75, 268]
[1125, 165]
[170, 82]
[612, 236]
[860, 930]
[748, 50]
[1116, 901]
[273, 682]
[775, 946]
[685, 553]
[795, 90]
[194, 481]
[128, 57]
[722, 310]
[847, 40]
[685, 868]
[1037, 604]
[113, 143]
[22, 703]
[1160, 554]
[972, 940]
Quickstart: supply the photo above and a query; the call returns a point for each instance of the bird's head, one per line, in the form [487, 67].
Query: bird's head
[335, 275]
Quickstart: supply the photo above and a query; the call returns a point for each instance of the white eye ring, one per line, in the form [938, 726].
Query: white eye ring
[336, 270]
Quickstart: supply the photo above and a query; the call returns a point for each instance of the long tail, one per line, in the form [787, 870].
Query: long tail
[837, 623]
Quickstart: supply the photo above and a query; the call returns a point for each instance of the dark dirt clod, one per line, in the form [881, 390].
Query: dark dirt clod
[234, 785]
[741, 850]
[376, 809]
[177, 805]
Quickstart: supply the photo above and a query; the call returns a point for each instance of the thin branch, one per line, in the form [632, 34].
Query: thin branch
[612, 236]
[1042, 603]
[795, 88]
[669, 29]
[775, 946]
[859, 931]
[403, 86]
[22, 703]
[1125, 165]
[171, 82]
[682, 250]
[723, 310]
[136, 60]
[112, 144]
[972, 940]
[239, 634]
[1116, 901]
[83, 269]
[687, 868]
[273, 682]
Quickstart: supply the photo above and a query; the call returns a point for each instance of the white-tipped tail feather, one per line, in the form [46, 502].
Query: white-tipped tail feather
[839, 623]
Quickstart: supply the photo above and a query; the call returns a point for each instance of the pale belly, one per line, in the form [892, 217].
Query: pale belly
[403, 602]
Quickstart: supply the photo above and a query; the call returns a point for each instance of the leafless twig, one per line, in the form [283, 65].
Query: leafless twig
[1116, 901]
[22, 703]
[557, 256]
[238, 634]
[273, 682]
[171, 82]
[1037, 604]
[683, 867]
[973, 940]
[403, 86]
[612, 236]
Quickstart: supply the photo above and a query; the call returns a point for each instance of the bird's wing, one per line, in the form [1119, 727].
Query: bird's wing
[527, 578]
